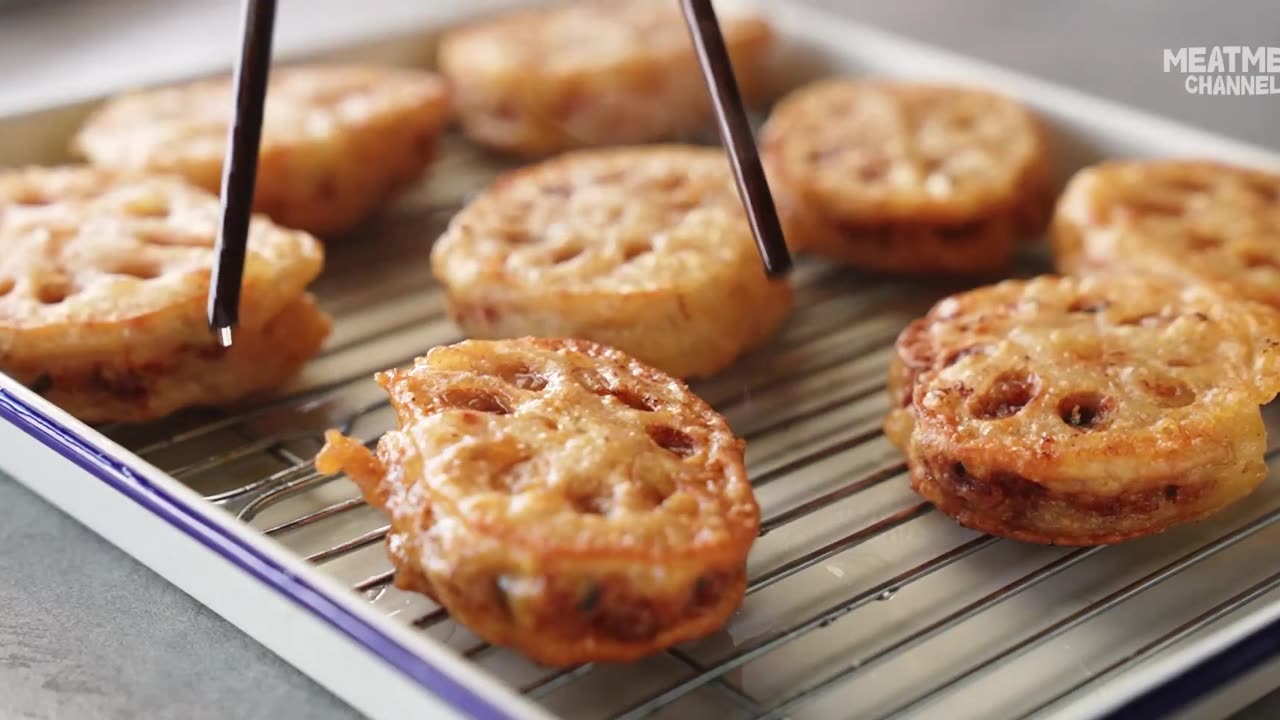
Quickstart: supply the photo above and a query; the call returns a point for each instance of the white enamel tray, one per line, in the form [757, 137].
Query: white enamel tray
[863, 602]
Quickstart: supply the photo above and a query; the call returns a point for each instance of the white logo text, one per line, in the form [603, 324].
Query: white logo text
[1226, 69]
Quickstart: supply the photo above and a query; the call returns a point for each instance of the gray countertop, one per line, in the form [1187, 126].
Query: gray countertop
[86, 632]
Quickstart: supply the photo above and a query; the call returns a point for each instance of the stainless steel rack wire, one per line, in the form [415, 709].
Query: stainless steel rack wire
[854, 581]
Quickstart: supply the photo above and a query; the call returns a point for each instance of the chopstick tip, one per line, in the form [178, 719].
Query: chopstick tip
[224, 336]
[777, 266]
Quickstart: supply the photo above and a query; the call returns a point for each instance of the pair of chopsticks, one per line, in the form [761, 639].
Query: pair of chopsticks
[241, 162]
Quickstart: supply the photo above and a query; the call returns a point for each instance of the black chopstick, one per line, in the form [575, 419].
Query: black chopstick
[240, 166]
[735, 133]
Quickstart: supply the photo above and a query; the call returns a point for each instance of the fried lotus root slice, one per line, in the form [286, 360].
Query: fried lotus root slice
[1189, 220]
[907, 177]
[261, 359]
[559, 497]
[103, 281]
[597, 72]
[337, 142]
[1084, 411]
[644, 249]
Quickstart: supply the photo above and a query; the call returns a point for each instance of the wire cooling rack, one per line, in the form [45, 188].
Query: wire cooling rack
[861, 600]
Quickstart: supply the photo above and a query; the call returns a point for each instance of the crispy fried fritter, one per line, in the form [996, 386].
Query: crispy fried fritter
[559, 497]
[126, 391]
[599, 72]
[907, 177]
[103, 281]
[1084, 411]
[337, 141]
[644, 249]
[1189, 220]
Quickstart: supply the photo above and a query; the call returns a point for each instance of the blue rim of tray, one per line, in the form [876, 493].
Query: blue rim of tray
[159, 502]
[1204, 677]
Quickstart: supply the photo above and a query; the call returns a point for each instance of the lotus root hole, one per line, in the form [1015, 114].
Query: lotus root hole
[1268, 193]
[523, 377]
[671, 182]
[171, 238]
[608, 177]
[959, 476]
[1155, 207]
[557, 190]
[32, 198]
[6, 286]
[873, 170]
[1006, 397]
[54, 292]
[1255, 260]
[632, 399]
[517, 236]
[1189, 185]
[564, 254]
[1144, 320]
[633, 251]
[1087, 305]
[138, 268]
[1085, 410]
[823, 155]
[1203, 242]
[474, 399]
[708, 590]
[591, 504]
[672, 440]
[590, 599]
[647, 497]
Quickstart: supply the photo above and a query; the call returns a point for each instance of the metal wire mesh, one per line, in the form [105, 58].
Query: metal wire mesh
[837, 517]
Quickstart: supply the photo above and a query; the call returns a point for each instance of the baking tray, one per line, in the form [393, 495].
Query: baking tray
[863, 602]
